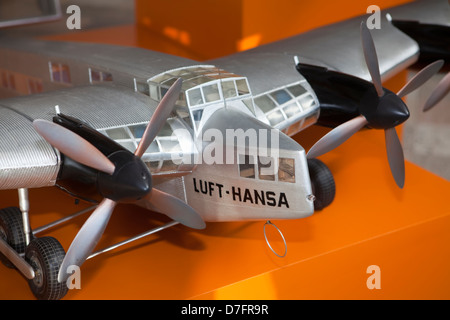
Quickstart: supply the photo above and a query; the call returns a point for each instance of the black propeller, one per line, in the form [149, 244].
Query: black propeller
[380, 109]
[122, 169]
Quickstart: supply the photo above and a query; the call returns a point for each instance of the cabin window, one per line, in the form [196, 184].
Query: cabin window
[34, 86]
[307, 102]
[311, 119]
[246, 166]
[291, 109]
[59, 73]
[249, 104]
[297, 90]
[169, 165]
[99, 76]
[286, 170]
[118, 134]
[265, 103]
[266, 168]
[129, 145]
[281, 96]
[275, 117]
[12, 82]
[144, 88]
[8, 81]
[4, 80]
[138, 130]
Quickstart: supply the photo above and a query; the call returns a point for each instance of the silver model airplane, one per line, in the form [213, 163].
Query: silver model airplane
[134, 126]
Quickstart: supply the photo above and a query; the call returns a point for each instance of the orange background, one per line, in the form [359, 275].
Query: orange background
[371, 221]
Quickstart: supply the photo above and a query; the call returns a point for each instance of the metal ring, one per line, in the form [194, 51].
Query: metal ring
[281, 234]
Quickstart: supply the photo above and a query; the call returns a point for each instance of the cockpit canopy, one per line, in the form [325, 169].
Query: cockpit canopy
[203, 86]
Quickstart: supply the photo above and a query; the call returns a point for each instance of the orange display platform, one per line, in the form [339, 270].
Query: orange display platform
[371, 222]
[404, 233]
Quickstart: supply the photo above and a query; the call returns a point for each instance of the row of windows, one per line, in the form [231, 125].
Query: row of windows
[60, 73]
[267, 168]
[164, 144]
[8, 81]
[96, 76]
[283, 104]
[229, 88]
[20, 83]
[217, 85]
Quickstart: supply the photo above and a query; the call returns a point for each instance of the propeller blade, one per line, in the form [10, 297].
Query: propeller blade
[87, 238]
[73, 146]
[175, 209]
[337, 136]
[395, 156]
[420, 78]
[160, 116]
[440, 92]
[370, 55]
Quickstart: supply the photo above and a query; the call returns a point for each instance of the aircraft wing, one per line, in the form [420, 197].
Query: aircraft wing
[337, 47]
[26, 159]
[118, 112]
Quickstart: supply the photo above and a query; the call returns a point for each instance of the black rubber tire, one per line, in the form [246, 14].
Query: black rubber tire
[322, 181]
[45, 255]
[11, 230]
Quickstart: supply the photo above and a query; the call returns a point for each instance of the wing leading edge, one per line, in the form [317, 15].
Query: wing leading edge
[336, 47]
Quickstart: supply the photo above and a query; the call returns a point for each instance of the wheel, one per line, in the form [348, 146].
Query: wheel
[45, 255]
[322, 181]
[11, 230]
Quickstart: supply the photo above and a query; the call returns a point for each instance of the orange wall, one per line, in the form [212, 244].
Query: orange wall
[212, 28]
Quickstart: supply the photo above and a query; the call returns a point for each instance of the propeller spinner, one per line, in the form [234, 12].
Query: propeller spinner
[380, 109]
[122, 171]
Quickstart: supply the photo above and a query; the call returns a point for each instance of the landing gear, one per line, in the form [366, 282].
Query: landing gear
[45, 255]
[40, 258]
[322, 181]
[37, 259]
[11, 231]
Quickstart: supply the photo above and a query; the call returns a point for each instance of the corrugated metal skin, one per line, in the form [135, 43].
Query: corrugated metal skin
[336, 46]
[140, 63]
[101, 106]
[26, 160]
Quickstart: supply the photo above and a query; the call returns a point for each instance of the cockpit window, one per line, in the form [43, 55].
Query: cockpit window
[242, 87]
[211, 93]
[195, 97]
[202, 86]
[228, 89]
